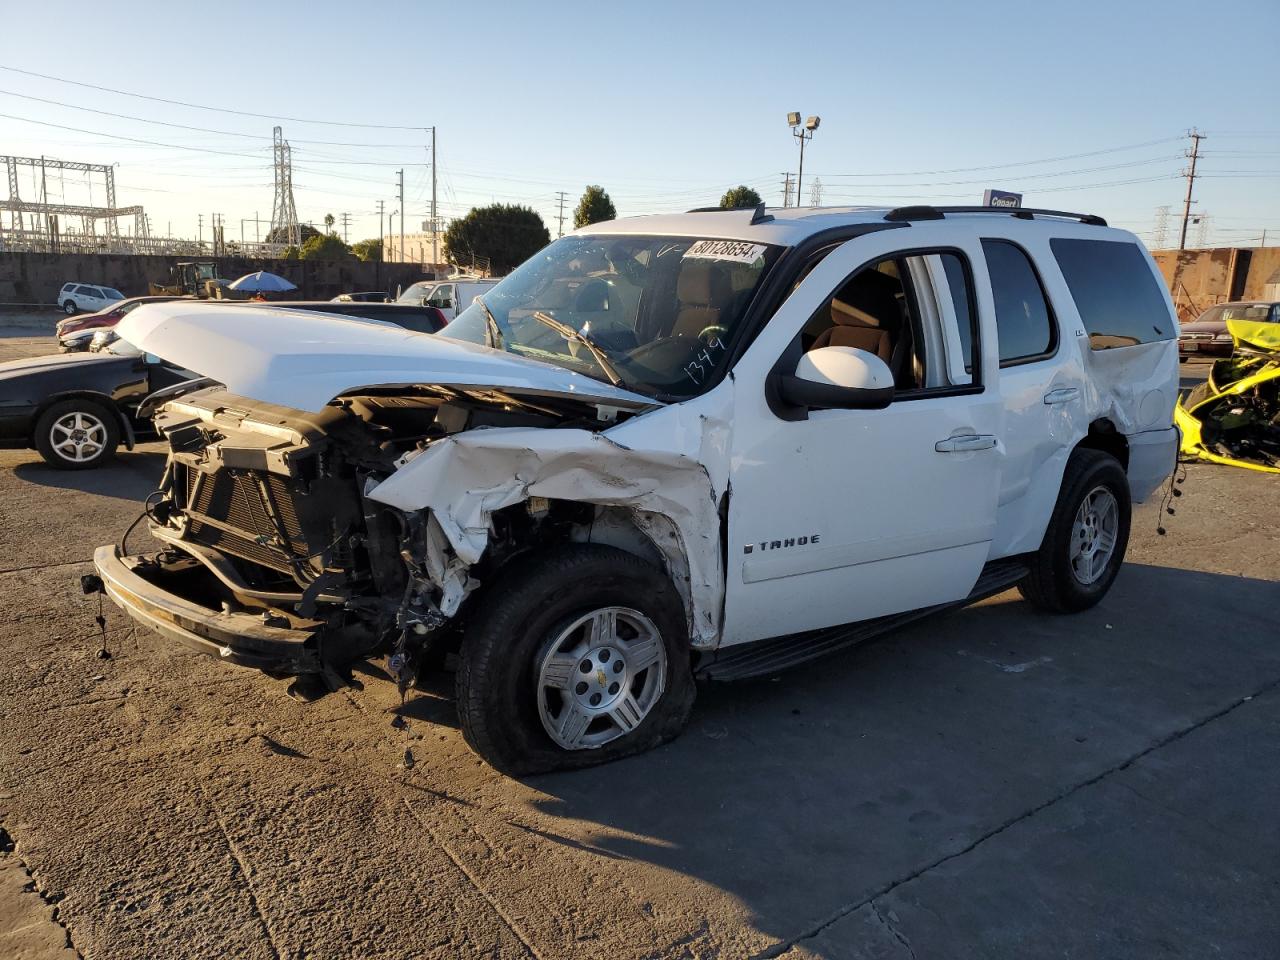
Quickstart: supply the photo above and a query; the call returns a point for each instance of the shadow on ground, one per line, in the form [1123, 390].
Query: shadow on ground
[805, 793]
[131, 475]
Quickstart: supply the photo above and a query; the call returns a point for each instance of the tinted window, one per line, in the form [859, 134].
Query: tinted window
[86, 291]
[1023, 319]
[1115, 292]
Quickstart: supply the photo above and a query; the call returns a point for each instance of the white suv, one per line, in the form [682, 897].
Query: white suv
[713, 444]
[90, 298]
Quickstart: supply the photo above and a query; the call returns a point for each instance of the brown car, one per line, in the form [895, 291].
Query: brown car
[1208, 334]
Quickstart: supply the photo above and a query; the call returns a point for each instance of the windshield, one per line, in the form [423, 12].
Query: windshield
[662, 310]
[1235, 311]
[416, 293]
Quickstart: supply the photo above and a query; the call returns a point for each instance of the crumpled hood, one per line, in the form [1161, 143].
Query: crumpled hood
[303, 360]
[1258, 336]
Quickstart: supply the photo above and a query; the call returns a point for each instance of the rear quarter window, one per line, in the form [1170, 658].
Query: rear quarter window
[1115, 292]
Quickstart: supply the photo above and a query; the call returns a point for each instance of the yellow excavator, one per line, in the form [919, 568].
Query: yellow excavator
[191, 279]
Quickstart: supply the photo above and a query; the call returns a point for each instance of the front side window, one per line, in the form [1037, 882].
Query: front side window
[657, 314]
[1024, 322]
[441, 297]
[912, 311]
[1115, 292]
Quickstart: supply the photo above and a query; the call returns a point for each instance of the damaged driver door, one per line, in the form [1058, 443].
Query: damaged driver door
[841, 515]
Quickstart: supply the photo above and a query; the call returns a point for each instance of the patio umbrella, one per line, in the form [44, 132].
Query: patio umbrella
[262, 282]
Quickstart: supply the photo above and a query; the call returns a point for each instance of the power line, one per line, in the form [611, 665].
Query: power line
[183, 126]
[1016, 163]
[200, 106]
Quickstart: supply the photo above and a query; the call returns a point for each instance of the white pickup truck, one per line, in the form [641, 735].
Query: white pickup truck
[712, 444]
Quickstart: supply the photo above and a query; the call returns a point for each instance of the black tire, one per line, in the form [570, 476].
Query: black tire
[101, 412]
[69, 307]
[529, 603]
[1053, 584]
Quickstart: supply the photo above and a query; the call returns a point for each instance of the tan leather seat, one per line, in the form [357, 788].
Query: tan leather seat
[702, 292]
[865, 315]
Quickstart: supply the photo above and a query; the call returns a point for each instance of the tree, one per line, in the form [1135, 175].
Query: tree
[367, 249]
[328, 222]
[741, 196]
[594, 206]
[278, 234]
[291, 253]
[504, 234]
[328, 246]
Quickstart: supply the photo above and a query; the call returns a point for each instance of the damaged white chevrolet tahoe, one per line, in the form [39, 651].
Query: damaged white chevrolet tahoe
[712, 444]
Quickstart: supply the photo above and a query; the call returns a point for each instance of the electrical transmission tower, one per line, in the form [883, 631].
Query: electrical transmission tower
[1160, 233]
[284, 213]
[1202, 230]
[815, 193]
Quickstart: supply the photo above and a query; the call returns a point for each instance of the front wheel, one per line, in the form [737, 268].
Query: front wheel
[577, 656]
[1086, 538]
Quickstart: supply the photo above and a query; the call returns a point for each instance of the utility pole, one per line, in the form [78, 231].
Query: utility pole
[1196, 136]
[562, 195]
[377, 271]
[346, 222]
[786, 189]
[435, 224]
[401, 175]
[200, 228]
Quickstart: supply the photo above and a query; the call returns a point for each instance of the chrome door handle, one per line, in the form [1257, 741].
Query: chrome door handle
[1062, 395]
[965, 444]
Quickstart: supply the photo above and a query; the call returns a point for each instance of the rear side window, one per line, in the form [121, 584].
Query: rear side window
[1024, 321]
[1114, 291]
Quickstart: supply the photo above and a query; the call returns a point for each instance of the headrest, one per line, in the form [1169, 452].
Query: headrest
[694, 285]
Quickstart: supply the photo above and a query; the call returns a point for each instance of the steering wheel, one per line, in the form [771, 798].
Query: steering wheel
[716, 331]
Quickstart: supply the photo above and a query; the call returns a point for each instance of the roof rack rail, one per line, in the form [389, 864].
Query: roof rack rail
[1022, 213]
[757, 212]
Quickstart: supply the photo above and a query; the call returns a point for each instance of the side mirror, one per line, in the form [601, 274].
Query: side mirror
[842, 378]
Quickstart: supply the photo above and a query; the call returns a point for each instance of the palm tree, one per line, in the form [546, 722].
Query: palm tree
[328, 222]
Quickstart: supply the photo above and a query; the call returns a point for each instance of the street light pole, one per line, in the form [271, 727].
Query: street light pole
[802, 133]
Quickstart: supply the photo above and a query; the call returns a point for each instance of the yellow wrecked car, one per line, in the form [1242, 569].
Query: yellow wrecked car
[1234, 416]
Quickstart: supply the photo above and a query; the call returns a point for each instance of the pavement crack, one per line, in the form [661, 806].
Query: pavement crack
[46, 566]
[893, 930]
[242, 864]
[471, 878]
[8, 849]
[784, 945]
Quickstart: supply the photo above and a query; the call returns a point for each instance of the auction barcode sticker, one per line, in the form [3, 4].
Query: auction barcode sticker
[737, 251]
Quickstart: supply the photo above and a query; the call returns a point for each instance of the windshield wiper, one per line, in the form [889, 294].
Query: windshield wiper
[492, 332]
[569, 333]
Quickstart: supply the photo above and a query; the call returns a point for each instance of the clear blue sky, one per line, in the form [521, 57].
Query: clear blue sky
[664, 104]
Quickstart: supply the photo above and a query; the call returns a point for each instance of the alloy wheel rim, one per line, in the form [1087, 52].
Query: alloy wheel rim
[1093, 535]
[78, 437]
[599, 677]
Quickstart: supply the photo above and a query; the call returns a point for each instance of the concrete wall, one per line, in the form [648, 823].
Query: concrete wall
[1200, 278]
[36, 278]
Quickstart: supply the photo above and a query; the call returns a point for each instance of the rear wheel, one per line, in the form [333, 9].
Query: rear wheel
[77, 434]
[69, 307]
[1085, 542]
[579, 656]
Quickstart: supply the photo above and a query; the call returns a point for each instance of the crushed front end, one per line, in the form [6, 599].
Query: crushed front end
[272, 554]
[1233, 417]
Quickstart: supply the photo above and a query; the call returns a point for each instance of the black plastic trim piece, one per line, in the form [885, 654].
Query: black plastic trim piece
[829, 396]
[925, 212]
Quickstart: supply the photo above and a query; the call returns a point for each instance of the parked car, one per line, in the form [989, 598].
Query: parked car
[1208, 333]
[74, 333]
[368, 296]
[75, 297]
[76, 409]
[714, 444]
[449, 296]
